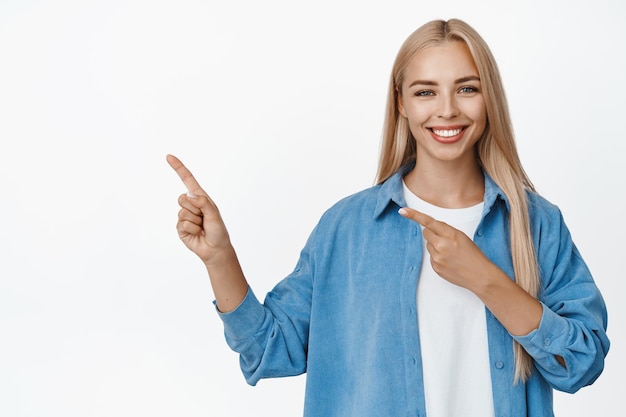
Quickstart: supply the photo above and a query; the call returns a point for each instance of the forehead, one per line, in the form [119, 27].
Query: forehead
[442, 62]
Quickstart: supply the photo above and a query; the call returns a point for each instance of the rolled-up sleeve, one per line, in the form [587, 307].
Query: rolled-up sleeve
[574, 320]
[272, 337]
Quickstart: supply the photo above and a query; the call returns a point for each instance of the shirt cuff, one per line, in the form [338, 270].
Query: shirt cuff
[549, 338]
[244, 321]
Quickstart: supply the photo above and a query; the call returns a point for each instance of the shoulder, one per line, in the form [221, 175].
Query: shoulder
[359, 214]
[551, 235]
[370, 203]
[359, 205]
[541, 211]
[346, 219]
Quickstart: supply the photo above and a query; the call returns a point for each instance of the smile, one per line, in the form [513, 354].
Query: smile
[447, 133]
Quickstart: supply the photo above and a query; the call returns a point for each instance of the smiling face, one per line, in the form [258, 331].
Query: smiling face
[442, 100]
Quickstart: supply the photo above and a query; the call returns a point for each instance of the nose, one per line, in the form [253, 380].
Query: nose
[448, 106]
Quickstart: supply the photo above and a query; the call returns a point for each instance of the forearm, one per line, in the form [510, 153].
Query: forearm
[227, 279]
[514, 308]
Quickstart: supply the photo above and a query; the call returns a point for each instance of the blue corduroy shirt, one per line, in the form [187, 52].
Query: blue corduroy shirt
[347, 314]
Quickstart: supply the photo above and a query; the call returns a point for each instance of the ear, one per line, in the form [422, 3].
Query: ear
[400, 103]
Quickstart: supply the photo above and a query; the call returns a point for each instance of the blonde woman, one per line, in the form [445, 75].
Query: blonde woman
[449, 288]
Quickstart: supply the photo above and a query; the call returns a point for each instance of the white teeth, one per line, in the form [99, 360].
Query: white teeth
[447, 133]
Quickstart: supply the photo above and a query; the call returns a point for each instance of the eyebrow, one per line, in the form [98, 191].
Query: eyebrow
[458, 81]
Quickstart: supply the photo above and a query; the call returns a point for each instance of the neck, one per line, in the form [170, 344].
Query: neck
[447, 184]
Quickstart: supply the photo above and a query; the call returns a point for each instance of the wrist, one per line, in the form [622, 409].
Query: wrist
[491, 280]
[220, 256]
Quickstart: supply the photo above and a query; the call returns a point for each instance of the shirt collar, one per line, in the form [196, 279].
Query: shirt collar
[391, 192]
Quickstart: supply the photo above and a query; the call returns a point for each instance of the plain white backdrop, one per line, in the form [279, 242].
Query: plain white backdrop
[276, 106]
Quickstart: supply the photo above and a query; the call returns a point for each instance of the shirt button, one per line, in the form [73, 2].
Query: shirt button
[479, 232]
[411, 268]
[547, 342]
[499, 364]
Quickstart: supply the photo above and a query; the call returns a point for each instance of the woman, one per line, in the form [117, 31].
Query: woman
[449, 288]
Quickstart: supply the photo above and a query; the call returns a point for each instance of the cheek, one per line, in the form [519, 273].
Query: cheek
[478, 113]
[417, 114]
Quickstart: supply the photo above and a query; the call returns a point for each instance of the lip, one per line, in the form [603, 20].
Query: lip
[447, 134]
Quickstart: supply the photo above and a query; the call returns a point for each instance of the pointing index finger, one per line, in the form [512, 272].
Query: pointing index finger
[417, 216]
[430, 223]
[185, 175]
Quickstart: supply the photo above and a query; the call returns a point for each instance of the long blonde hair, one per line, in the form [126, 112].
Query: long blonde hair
[496, 149]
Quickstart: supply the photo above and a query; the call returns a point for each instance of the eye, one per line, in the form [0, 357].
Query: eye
[424, 93]
[468, 89]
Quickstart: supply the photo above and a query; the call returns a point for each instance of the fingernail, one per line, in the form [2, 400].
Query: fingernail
[403, 211]
[190, 194]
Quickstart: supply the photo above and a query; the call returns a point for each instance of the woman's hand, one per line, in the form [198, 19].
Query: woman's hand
[202, 230]
[200, 225]
[453, 255]
[456, 258]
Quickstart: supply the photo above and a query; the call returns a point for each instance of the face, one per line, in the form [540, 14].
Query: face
[442, 99]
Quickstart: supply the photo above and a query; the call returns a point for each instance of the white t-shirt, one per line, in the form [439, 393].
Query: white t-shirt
[453, 330]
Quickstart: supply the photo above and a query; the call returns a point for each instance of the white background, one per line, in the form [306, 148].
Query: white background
[276, 106]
